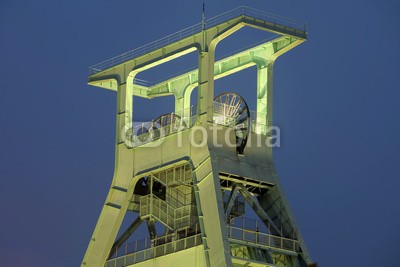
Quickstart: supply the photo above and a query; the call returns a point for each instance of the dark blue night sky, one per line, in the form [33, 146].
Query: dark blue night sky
[336, 99]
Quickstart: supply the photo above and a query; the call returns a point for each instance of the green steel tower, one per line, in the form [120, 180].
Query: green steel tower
[197, 173]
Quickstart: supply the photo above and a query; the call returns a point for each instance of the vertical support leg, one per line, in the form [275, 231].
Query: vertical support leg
[182, 103]
[117, 201]
[212, 218]
[264, 96]
[181, 99]
[179, 105]
[206, 87]
[182, 93]
[207, 185]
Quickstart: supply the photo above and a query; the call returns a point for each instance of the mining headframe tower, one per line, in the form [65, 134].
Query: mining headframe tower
[196, 173]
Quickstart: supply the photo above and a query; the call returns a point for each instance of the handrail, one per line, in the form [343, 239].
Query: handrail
[255, 231]
[240, 229]
[177, 36]
[148, 207]
[150, 131]
[187, 121]
[263, 239]
[151, 205]
[178, 175]
[154, 251]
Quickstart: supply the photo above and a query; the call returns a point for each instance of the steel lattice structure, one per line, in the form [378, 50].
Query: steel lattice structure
[198, 192]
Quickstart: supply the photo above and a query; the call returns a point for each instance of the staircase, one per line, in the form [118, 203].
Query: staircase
[152, 207]
[175, 209]
[175, 177]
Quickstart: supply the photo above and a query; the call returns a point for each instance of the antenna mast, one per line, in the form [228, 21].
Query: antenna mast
[203, 19]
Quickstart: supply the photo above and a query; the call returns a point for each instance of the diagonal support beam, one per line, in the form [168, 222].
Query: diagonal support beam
[231, 200]
[253, 202]
[152, 229]
[128, 232]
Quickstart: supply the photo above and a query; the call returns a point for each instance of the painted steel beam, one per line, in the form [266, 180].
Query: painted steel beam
[120, 78]
[257, 208]
[128, 232]
[201, 41]
[231, 201]
[152, 229]
[257, 55]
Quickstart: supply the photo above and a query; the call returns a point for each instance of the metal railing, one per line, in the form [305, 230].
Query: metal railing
[241, 230]
[154, 250]
[150, 131]
[151, 205]
[253, 231]
[209, 23]
[181, 174]
[257, 14]
[263, 239]
[174, 218]
[176, 198]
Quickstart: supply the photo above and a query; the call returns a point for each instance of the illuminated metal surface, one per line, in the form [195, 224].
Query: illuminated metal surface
[179, 186]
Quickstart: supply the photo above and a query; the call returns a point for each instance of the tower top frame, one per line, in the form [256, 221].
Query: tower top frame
[216, 26]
